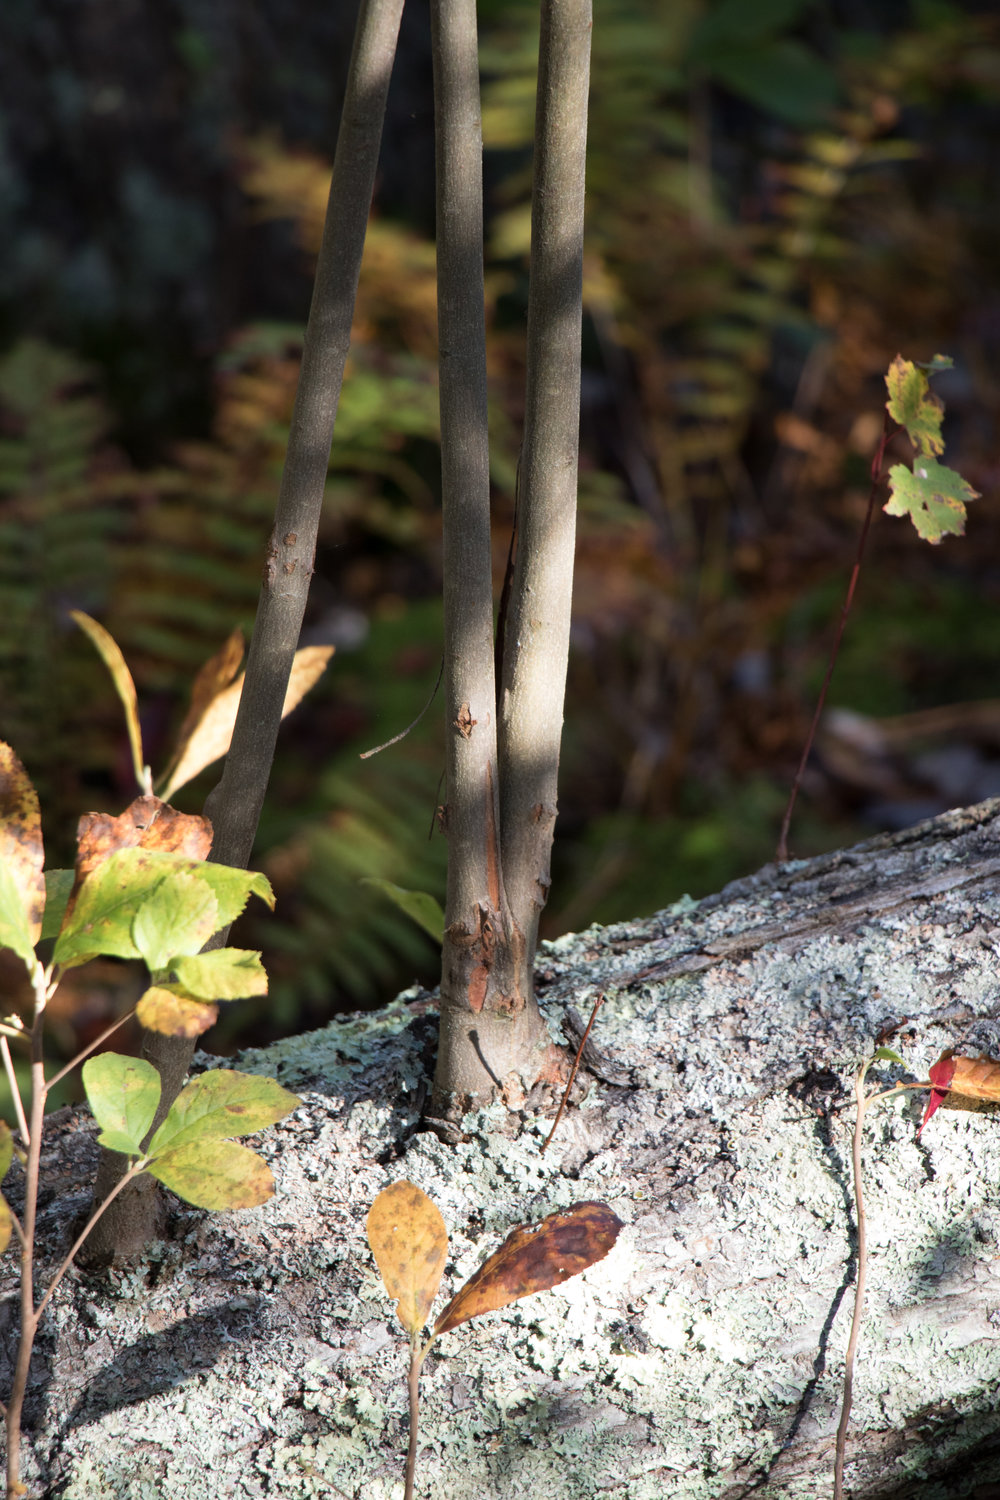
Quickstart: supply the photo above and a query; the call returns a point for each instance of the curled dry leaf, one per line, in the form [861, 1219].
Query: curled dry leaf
[410, 1244]
[969, 1077]
[534, 1258]
[209, 738]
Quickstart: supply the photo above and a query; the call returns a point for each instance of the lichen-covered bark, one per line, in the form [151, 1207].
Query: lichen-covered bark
[256, 1354]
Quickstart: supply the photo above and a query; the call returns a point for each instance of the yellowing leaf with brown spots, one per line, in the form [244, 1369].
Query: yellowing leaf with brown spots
[22, 884]
[410, 1244]
[534, 1258]
[162, 1009]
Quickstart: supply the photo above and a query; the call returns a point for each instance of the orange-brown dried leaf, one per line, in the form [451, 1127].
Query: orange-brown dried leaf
[410, 1244]
[21, 852]
[147, 823]
[534, 1258]
[170, 1014]
[976, 1078]
[210, 737]
[217, 673]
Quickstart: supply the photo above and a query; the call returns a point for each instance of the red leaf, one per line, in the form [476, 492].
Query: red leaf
[940, 1076]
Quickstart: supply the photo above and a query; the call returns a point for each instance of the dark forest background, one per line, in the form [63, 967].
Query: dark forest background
[782, 196]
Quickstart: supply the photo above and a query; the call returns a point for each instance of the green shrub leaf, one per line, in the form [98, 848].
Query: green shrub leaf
[933, 496]
[58, 885]
[6, 1149]
[419, 905]
[22, 885]
[110, 897]
[913, 404]
[215, 1174]
[224, 974]
[221, 1104]
[6, 1225]
[123, 1093]
[177, 918]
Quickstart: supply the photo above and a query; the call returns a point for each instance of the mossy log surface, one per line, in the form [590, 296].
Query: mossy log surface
[256, 1354]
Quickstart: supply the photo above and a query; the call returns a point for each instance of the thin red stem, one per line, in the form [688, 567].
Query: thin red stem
[876, 473]
[576, 1063]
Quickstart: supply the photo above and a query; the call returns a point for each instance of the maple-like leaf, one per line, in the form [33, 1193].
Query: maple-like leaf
[913, 404]
[932, 495]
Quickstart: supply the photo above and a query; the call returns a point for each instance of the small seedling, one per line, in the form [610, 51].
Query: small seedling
[409, 1241]
[932, 495]
[965, 1077]
[142, 888]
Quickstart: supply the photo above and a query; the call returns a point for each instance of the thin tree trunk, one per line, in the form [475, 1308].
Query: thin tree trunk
[234, 805]
[481, 1009]
[500, 819]
[536, 639]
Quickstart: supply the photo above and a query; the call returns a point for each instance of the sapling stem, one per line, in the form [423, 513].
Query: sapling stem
[15, 1092]
[90, 1047]
[862, 1104]
[876, 476]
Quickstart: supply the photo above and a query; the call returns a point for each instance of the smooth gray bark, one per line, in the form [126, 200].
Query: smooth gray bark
[257, 1354]
[490, 1028]
[234, 805]
[536, 637]
[500, 821]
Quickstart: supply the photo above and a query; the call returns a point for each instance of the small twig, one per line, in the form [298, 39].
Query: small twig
[572, 1076]
[859, 1288]
[15, 1092]
[80, 1056]
[404, 732]
[413, 1381]
[70, 1256]
[876, 473]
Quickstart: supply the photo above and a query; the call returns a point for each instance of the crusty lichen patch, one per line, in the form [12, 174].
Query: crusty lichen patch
[257, 1354]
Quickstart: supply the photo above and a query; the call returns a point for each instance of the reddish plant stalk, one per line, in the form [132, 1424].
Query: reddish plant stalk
[876, 471]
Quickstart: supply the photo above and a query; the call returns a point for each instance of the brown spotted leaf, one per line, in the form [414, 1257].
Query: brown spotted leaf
[534, 1258]
[22, 884]
[147, 823]
[209, 738]
[410, 1244]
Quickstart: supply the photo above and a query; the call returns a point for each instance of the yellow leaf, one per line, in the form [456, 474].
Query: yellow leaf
[410, 1244]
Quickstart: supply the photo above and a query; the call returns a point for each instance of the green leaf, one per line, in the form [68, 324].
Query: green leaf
[933, 496]
[914, 406]
[58, 885]
[886, 1054]
[781, 77]
[14, 931]
[222, 1104]
[215, 1174]
[6, 1149]
[110, 897]
[123, 1093]
[418, 905]
[734, 23]
[113, 659]
[6, 1225]
[223, 974]
[177, 918]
